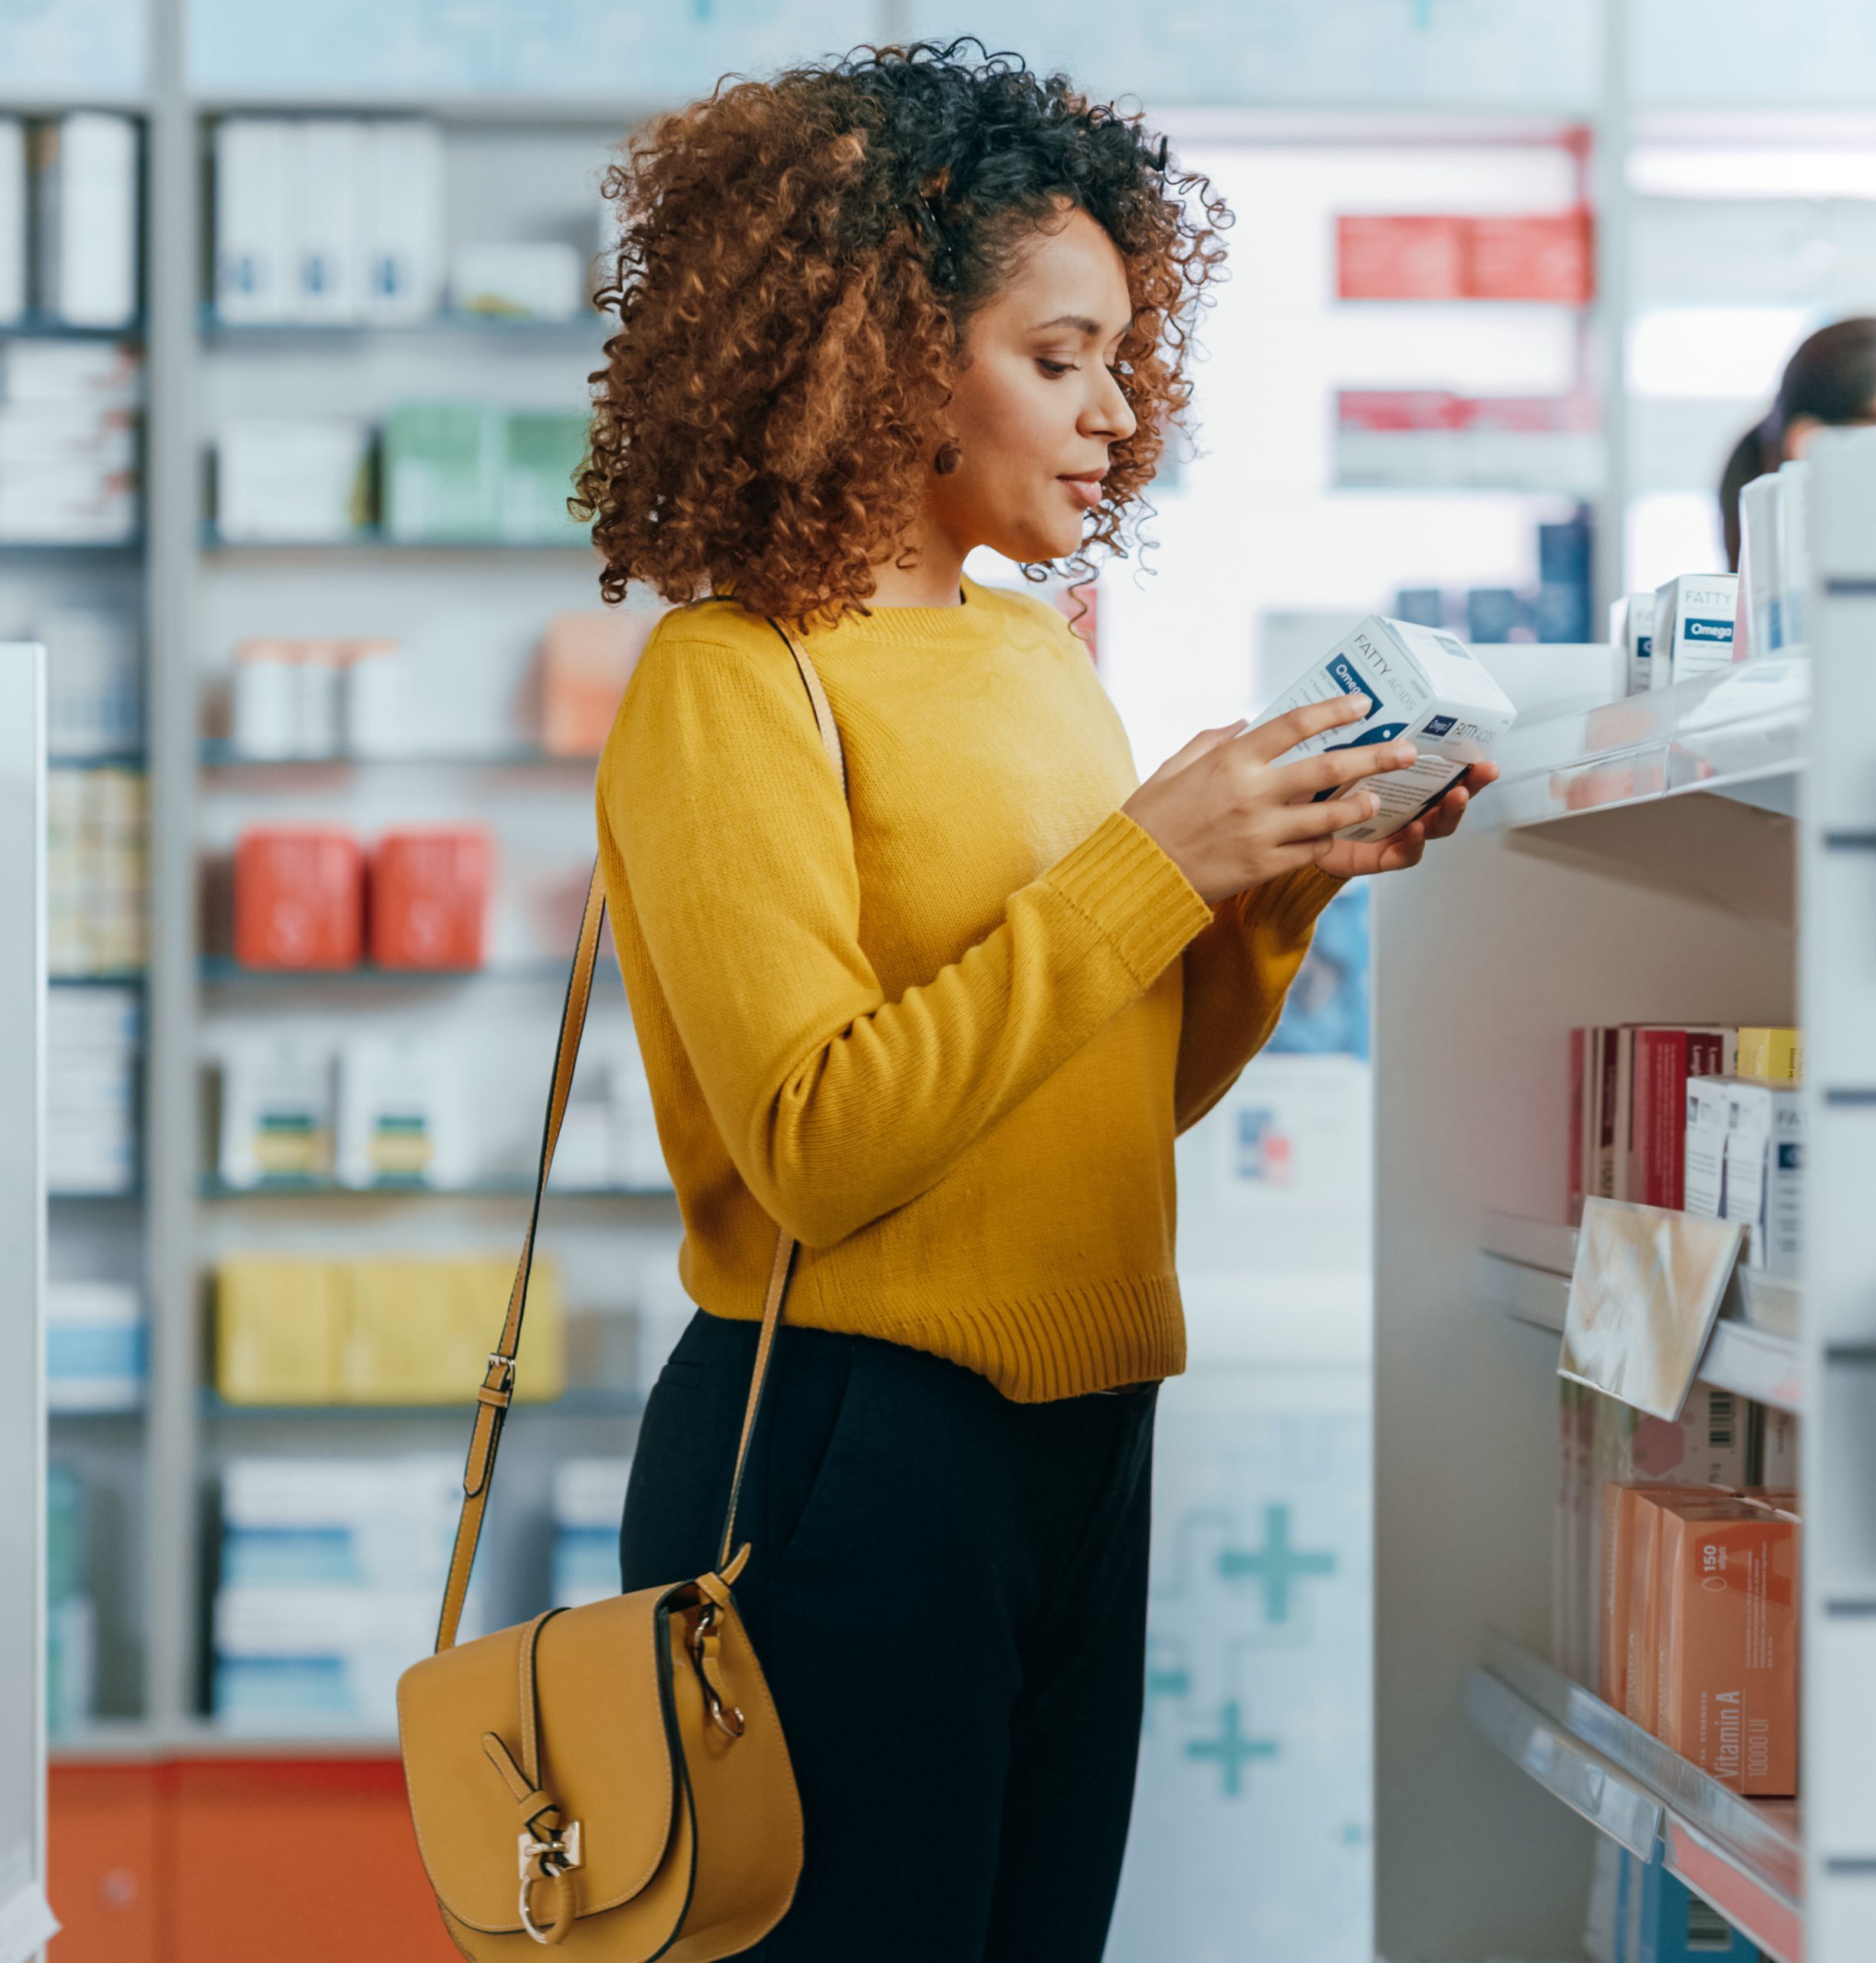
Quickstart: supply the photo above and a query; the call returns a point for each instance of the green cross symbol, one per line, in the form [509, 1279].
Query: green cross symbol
[1277, 1564]
[1232, 1749]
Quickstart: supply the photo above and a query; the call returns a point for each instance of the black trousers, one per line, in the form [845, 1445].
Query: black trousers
[948, 1594]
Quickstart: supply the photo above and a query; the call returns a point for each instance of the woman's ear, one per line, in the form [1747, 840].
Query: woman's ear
[1797, 435]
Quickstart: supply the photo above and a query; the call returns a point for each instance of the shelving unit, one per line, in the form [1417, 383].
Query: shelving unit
[1647, 859]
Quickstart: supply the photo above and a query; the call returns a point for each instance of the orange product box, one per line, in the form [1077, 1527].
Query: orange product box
[1620, 1500]
[299, 898]
[586, 659]
[1392, 256]
[429, 897]
[1549, 256]
[1728, 1585]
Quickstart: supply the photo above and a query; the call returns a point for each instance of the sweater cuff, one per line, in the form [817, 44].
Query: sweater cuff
[1119, 880]
[1293, 904]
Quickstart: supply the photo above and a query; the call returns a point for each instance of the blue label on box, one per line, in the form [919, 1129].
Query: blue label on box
[1348, 678]
[1644, 647]
[1438, 725]
[1790, 1157]
[1715, 631]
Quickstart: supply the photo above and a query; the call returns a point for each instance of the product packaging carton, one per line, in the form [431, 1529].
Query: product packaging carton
[1638, 1529]
[1727, 1583]
[429, 897]
[1620, 1506]
[1772, 1055]
[1704, 1161]
[299, 898]
[1419, 683]
[1659, 1064]
[1765, 1172]
[277, 1330]
[277, 1113]
[1631, 628]
[1693, 631]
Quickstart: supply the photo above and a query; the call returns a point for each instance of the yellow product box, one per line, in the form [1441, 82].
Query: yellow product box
[277, 1324]
[1773, 1055]
[418, 1331]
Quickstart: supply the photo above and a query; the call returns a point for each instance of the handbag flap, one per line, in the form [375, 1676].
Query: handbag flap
[605, 1755]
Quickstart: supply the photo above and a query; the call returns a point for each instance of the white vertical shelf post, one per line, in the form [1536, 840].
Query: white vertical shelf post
[1838, 966]
[24, 1923]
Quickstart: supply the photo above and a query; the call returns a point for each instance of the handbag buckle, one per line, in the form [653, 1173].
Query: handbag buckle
[728, 1718]
[546, 1859]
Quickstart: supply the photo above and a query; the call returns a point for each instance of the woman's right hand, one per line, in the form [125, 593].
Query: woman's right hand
[1228, 816]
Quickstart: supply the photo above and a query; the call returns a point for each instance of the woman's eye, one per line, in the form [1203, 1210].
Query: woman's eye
[1054, 368]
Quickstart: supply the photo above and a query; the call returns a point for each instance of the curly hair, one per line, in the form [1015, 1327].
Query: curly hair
[798, 259]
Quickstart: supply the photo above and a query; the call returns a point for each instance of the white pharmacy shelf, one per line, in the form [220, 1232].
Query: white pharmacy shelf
[1523, 1271]
[1744, 1856]
[1741, 733]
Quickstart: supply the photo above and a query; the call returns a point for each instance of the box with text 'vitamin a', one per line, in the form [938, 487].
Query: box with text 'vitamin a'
[1419, 683]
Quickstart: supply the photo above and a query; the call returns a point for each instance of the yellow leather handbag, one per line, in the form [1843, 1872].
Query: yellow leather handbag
[614, 1778]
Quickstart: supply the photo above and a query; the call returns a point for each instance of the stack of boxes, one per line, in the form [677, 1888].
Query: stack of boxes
[97, 871]
[1547, 256]
[70, 1620]
[68, 443]
[415, 1330]
[68, 220]
[91, 1045]
[1745, 1148]
[97, 1346]
[332, 1571]
[94, 684]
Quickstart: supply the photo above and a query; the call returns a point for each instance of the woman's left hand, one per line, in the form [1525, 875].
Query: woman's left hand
[1347, 858]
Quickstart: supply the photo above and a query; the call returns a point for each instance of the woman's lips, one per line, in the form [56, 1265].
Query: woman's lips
[1087, 490]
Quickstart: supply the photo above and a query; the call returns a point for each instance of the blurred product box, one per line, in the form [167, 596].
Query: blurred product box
[404, 1330]
[68, 442]
[94, 682]
[1433, 440]
[293, 480]
[399, 1118]
[1631, 628]
[329, 1573]
[609, 1133]
[70, 1620]
[14, 197]
[541, 452]
[528, 280]
[327, 219]
[589, 1503]
[429, 897]
[1385, 256]
[92, 1036]
[85, 181]
[315, 697]
[1692, 628]
[277, 1113]
[586, 659]
[97, 871]
[1548, 256]
[97, 1346]
[374, 701]
[1640, 1913]
[105, 374]
[1772, 1055]
[443, 472]
[299, 898]
[1763, 1188]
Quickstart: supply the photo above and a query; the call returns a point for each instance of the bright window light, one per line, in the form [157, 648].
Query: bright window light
[1713, 353]
[1784, 172]
[1676, 532]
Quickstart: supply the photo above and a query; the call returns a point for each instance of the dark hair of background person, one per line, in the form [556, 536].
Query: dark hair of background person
[798, 259]
[1830, 380]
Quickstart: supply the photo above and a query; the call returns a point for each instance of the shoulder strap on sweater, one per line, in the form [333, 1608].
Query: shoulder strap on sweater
[496, 1392]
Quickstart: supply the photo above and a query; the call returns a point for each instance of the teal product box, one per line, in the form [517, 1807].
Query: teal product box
[442, 473]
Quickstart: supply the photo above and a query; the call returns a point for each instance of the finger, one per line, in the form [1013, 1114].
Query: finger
[1443, 820]
[1207, 740]
[1325, 820]
[1309, 777]
[1407, 848]
[1269, 740]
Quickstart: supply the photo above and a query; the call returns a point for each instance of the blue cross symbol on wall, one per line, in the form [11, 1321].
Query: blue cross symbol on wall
[1165, 1677]
[1232, 1749]
[1277, 1564]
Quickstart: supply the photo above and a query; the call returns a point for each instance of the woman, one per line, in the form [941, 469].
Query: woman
[873, 315]
[1831, 381]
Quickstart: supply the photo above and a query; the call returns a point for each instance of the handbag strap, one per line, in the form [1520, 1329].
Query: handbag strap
[496, 1392]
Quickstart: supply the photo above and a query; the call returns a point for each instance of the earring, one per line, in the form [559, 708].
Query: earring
[949, 457]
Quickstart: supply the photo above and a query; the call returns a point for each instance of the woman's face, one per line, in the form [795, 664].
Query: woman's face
[1037, 405]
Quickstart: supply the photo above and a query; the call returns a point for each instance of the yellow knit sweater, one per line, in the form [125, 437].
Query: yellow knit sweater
[943, 1032]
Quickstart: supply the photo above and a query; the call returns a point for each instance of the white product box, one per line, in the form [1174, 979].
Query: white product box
[318, 676]
[1631, 628]
[1692, 628]
[1419, 683]
[399, 183]
[1794, 552]
[106, 374]
[1765, 1171]
[324, 287]
[375, 707]
[98, 1343]
[294, 480]
[1762, 563]
[87, 229]
[1703, 1169]
[538, 279]
[94, 691]
[370, 1523]
[13, 204]
[254, 246]
[264, 699]
[277, 1113]
[398, 1118]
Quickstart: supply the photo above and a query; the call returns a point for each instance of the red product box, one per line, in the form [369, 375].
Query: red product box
[429, 898]
[1549, 257]
[299, 898]
[1389, 410]
[1664, 1059]
[1390, 256]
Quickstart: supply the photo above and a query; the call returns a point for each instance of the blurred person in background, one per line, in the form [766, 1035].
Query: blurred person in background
[942, 1028]
[1830, 382]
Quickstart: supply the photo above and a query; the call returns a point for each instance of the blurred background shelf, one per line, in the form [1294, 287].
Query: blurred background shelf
[513, 1188]
[579, 1403]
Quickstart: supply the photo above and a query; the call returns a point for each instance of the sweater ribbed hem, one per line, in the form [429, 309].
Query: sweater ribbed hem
[1123, 886]
[1295, 903]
